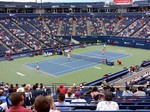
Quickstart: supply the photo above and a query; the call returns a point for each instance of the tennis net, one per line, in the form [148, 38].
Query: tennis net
[89, 58]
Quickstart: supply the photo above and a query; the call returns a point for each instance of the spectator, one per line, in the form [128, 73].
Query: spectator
[118, 92]
[89, 91]
[56, 94]
[2, 96]
[94, 92]
[41, 104]
[17, 100]
[78, 99]
[69, 93]
[61, 102]
[140, 92]
[107, 104]
[52, 104]
[62, 89]
[148, 90]
[127, 92]
[4, 101]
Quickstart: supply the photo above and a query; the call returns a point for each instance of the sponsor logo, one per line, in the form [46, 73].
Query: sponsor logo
[127, 43]
[139, 44]
[10, 5]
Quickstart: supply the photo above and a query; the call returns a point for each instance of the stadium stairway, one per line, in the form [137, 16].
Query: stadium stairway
[139, 29]
[28, 33]
[116, 27]
[88, 28]
[126, 27]
[3, 48]
[37, 30]
[74, 41]
[4, 27]
[129, 78]
[49, 30]
[59, 28]
[102, 24]
[32, 25]
[45, 25]
[148, 36]
[74, 28]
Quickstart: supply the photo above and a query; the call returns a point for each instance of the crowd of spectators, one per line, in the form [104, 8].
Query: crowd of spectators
[13, 43]
[30, 33]
[142, 77]
[21, 34]
[96, 26]
[21, 98]
[143, 32]
[127, 32]
[110, 24]
[138, 9]
[81, 26]
[41, 32]
[124, 23]
[67, 27]
[34, 34]
[53, 24]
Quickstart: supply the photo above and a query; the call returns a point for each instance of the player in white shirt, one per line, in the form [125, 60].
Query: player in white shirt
[104, 46]
[37, 66]
[68, 56]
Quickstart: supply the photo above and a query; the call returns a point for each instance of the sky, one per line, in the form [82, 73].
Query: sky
[60, 0]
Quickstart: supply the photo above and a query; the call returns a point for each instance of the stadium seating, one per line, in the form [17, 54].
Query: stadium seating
[37, 33]
[11, 42]
[67, 27]
[93, 107]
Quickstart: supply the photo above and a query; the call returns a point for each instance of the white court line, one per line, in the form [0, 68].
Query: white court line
[112, 57]
[43, 61]
[29, 67]
[39, 70]
[121, 50]
[79, 68]
[118, 57]
[47, 73]
[97, 67]
[107, 56]
[64, 70]
[125, 53]
[64, 64]
[60, 64]
[20, 74]
[115, 52]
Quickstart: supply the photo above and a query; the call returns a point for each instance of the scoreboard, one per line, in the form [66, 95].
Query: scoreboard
[123, 1]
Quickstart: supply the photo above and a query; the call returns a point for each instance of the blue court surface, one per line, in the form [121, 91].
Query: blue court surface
[60, 66]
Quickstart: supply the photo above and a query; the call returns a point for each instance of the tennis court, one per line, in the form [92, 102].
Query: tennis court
[61, 65]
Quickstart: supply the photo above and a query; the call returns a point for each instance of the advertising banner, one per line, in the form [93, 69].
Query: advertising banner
[123, 1]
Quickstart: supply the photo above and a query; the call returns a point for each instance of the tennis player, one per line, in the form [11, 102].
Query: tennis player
[104, 46]
[103, 52]
[37, 67]
[68, 56]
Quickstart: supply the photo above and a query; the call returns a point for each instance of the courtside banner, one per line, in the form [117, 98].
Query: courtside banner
[123, 1]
